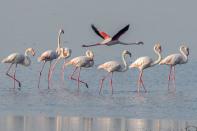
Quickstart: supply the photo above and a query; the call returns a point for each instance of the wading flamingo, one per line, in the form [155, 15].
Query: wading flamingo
[17, 58]
[108, 40]
[79, 62]
[50, 55]
[64, 54]
[146, 62]
[175, 59]
[113, 66]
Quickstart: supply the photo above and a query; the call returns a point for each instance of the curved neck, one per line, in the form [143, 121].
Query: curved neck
[26, 52]
[125, 68]
[184, 55]
[158, 60]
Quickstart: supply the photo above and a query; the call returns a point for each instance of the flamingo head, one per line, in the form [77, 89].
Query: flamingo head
[158, 48]
[30, 50]
[66, 52]
[140, 43]
[61, 31]
[90, 54]
[185, 49]
[125, 52]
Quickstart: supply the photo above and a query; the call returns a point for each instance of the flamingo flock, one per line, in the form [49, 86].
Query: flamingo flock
[87, 61]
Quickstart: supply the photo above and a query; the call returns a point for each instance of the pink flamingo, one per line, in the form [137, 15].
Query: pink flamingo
[79, 62]
[50, 55]
[17, 58]
[175, 59]
[146, 62]
[113, 66]
[108, 40]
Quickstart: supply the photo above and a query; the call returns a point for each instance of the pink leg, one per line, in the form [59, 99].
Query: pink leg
[111, 83]
[62, 73]
[49, 75]
[174, 77]
[41, 73]
[78, 77]
[7, 73]
[78, 80]
[52, 69]
[169, 77]
[101, 82]
[14, 77]
[141, 81]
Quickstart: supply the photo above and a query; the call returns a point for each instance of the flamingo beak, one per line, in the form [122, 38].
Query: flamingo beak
[129, 54]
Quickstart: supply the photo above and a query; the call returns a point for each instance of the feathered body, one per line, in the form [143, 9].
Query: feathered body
[175, 59]
[114, 66]
[108, 40]
[17, 58]
[145, 62]
[81, 61]
[48, 55]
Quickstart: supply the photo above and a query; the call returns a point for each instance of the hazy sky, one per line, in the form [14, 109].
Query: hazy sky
[36, 23]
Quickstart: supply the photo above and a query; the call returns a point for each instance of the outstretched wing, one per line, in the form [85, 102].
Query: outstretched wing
[101, 34]
[121, 32]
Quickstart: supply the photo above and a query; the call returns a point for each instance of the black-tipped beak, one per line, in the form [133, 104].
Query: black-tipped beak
[129, 54]
[140, 43]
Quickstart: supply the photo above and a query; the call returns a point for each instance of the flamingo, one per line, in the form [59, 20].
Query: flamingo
[50, 55]
[113, 66]
[108, 40]
[17, 58]
[79, 62]
[65, 53]
[146, 62]
[175, 59]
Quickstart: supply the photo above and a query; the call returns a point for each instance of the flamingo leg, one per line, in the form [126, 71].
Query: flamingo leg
[14, 77]
[174, 77]
[169, 77]
[92, 45]
[7, 73]
[41, 73]
[138, 82]
[78, 80]
[52, 68]
[49, 75]
[78, 77]
[111, 83]
[141, 81]
[101, 82]
[62, 72]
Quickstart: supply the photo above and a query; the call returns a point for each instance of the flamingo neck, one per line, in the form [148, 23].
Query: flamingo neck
[58, 41]
[184, 55]
[158, 60]
[125, 68]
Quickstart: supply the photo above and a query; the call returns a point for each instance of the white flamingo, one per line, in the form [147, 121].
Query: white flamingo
[79, 62]
[145, 62]
[108, 40]
[17, 58]
[175, 59]
[50, 55]
[114, 66]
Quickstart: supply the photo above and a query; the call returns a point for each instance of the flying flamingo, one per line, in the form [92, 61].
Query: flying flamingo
[145, 62]
[113, 66]
[50, 55]
[17, 58]
[79, 62]
[175, 59]
[108, 40]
